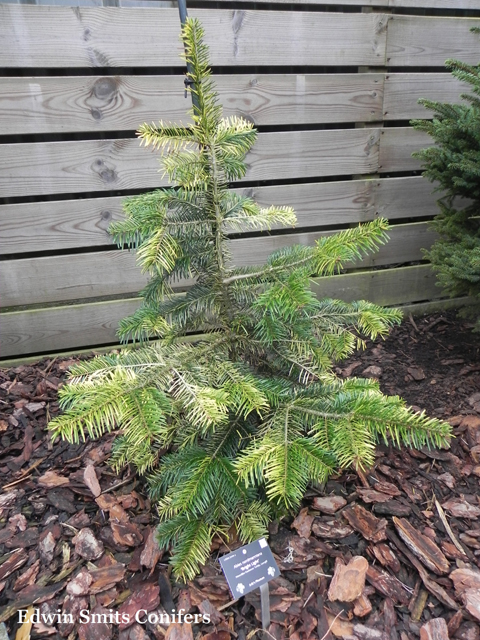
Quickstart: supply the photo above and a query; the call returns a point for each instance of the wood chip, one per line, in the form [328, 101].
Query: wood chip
[347, 372]
[80, 585]
[87, 546]
[393, 508]
[454, 623]
[388, 585]
[303, 523]
[24, 539]
[366, 523]
[435, 629]
[329, 504]
[52, 479]
[389, 488]
[437, 590]
[362, 606]
[386, 556]
[18, 521]
[96, 628]
[422, 546]
[447, 480]
[332, 529]
[146, 597]
[71, 608]
[177, 631]
[27, 577]
[106, 501]
[367, 633]
[207, 608]
[106, 577]
[417, 373]
[372, 372]
[471, 599]
[340, 628]
[465, 578]
[126, 533]
[461, 508]
[372, 495]
[16, 560]
[91, 480]
[348, 580]
[62, 499]
[151, 552]
[46, 547]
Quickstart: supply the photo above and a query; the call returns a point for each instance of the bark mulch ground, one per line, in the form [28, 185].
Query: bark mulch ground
[392, 554]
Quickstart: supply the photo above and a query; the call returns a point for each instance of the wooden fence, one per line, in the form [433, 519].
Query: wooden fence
[332, 94]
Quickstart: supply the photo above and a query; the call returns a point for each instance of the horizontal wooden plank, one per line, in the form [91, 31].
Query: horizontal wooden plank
[417, 4]
[403, 198]
[51, 36]
[416, 309]
[74, 277]
[396, 147]
[429, 41]
[92, 324]
[70, 224]
[102, 165]
[405, 244]
[113, 273]
[40, 330]
[404, 90]
[99, 165]
[108, 103]
[433, 4]
[436, 306]
[69, 327]
[387, 287]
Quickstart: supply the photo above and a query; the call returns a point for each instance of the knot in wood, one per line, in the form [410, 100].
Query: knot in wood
[104, 88]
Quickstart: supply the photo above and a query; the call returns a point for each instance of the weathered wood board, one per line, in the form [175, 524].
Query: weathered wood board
[113, 273]
[92, 324]
[70, 104]
[387, 287]
[428, 41]
[103, 165]
[54, 328]
[50, 37]
[70, 224]
[410, 197]
[44, 168]
[65, 104]
[109, 37]
[396, 147]
[417, 4]
[403, 91]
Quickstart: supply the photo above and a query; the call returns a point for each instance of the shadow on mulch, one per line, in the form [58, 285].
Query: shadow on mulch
[77, 541]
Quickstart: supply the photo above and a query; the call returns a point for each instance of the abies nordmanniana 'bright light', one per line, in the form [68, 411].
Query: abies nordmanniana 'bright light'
[232, 426]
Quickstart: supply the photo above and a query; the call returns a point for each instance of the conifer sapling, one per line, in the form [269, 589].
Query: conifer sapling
[232, 426]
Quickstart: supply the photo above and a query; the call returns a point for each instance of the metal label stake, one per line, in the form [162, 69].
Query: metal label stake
[265, 604]
[249, 568]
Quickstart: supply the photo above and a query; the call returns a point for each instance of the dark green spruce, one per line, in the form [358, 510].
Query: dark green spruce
[454, 164]
[231, 426]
